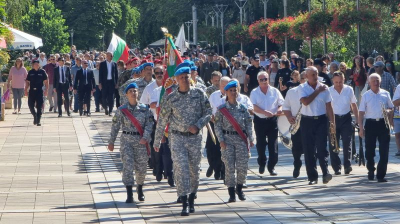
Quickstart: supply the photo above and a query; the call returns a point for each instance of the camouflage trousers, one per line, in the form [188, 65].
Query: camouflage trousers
[235, 158]
[134, 157]
[186, 157]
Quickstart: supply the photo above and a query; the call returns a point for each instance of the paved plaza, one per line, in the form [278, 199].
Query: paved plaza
[62, 172]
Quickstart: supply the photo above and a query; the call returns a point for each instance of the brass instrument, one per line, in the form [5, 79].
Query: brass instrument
[386, 117]
[295, 127]
[332, 135]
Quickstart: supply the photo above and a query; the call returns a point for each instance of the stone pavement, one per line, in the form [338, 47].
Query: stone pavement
[62, 173]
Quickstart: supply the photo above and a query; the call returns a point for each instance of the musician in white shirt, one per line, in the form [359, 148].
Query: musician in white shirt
[290, 108]
[214, 150]
[343, 100]
[375, 127]
[267, 102]
[316, 108]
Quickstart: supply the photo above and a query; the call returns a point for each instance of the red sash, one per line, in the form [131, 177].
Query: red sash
[235, 125]
[137, 125]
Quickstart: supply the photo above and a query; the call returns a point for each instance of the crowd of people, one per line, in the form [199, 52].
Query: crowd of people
[237, 102]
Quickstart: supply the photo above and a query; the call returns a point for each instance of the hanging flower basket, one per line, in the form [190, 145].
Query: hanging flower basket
[316, 21]
[296, 29]
[259, 29]
[396, 17]
[279, 29]
[347, 17]
[238, 33]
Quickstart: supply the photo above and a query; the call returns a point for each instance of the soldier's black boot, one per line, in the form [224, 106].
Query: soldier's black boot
[185, 209]
[239, 192]
[191, 202]
[179, 200]
[139, 191]
[129, 194]
[38, 121]
[232, 196]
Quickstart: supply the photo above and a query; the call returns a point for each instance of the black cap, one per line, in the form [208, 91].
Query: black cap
[319, 62]
[256, 58]
[35, 61]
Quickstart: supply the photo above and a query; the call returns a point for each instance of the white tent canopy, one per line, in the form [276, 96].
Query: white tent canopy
[24, 41]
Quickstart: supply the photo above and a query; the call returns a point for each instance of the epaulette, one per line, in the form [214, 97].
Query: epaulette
[222, 106]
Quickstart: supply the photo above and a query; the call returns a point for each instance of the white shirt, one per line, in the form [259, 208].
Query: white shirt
[62, 72]
[292, 100]
[396, 96]
[42, 62]
[148, 90]
[270, 101]
[264, 63]
[318, 106]
[96, 76]
[341, 102]
[243, 99]
[215, 101]
[155, 97]
[109, 70]
[371, 103]
[239, 74]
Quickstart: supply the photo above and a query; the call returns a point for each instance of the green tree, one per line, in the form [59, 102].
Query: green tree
[127, 27]
[16, 9]
[45, 21]
[90, 24]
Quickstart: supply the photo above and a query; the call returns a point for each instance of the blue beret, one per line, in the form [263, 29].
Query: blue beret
[130, 86]
[139, 68]
[182, 71]
[147, 64]
[193, 68]
[230, 85]
[183, 64]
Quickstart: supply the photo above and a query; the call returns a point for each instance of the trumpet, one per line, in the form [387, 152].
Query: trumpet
[385, 115]
[333, 138]
[295, 127]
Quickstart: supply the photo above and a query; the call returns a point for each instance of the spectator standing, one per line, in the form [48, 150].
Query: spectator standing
[359, 76]
[97, 94]
[74, 70]
[208, 68]
[224, 67]
[51, 95]
[282, 77]
[108, 78]
[42, 59]
[251, 81]
[17, 78]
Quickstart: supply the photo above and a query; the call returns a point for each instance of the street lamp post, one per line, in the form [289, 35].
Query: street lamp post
[358, 30]
[325, 42]
[285, 15]
[221, 9]
[265, 17]
[309, 10]
[241, 4]
[72, 36]
[189, 24]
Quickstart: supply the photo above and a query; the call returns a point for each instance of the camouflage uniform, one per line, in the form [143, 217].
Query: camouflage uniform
[200, 86]
[133, 154]
[182, 110]
[198, 79]
[123, 77]
[236, 153]
[141, 82]
[211, 89]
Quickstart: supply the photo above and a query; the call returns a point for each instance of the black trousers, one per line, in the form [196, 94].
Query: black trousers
[35, 98]
[117, 98]
[85, 95]
[314, 137]
[344, 129]
[156, 157]
[62, 89]
[214, 152]
[167, 163]
[266, 128]
[297, 149]
[107, 94]
[377, 130]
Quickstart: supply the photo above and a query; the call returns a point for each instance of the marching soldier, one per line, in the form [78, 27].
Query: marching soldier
[267, 102]
[343, 99]
[291, 107]
[136, 122]
[187, 111]
[233, 127]
[374, 103]
[35, 80]
[316, 101]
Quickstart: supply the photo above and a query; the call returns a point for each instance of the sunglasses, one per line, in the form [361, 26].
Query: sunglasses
[263, 80]
[158, 73]
[85, 63]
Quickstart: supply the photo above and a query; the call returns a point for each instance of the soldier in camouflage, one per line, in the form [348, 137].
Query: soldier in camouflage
[215, 79]
[234, 150]
[147, 71]
[125, 75]
[133, 147]
[187, 111]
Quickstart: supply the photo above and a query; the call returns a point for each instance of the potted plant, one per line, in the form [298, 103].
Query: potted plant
[345, 18]
[259, 28]
[279, 29]
[316, 21]
[297, 27]
[238, 33]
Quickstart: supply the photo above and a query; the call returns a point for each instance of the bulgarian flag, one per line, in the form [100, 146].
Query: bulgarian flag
[119, 49]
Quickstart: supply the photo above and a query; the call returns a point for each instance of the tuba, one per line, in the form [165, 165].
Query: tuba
[332, 135]
[295, 127]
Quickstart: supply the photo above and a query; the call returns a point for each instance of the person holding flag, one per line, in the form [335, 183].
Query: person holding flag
[233, 127]
[186, 111]
[136, 121]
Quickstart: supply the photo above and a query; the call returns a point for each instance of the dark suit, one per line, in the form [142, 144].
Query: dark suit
[108, 85]
[62, 86]
[84, 83]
